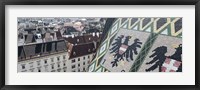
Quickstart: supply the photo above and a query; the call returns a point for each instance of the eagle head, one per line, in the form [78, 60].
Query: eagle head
[128, 37]
[122, 36]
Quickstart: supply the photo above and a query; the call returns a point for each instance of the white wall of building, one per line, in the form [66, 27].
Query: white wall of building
[55, 63]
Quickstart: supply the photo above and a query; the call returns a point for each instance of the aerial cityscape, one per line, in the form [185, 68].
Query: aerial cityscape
[57, 44]
[62, 44]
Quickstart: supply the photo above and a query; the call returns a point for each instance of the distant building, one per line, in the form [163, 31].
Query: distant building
[43, 57]
[57, 44]
[70, 55]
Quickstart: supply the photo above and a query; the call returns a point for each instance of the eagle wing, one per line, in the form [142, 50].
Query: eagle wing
[116, 45]
[158, 55]
[133, 48]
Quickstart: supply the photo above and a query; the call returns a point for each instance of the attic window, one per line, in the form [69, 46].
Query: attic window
[74, 53]
[77, 40]
[88, 50]
[89, 38]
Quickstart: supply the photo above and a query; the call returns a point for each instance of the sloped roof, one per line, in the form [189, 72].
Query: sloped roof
[29, 50]
[21, 54]
[81, 50]
[29, 38]
[41, 49]
[58, 35]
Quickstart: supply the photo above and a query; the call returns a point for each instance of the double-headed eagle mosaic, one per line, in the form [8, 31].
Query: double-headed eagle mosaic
[123, 49]
[172, 63]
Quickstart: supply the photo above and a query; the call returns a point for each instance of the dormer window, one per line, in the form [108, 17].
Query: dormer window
[77, 40]
[97, 34]
[88, 50]
[74, 53]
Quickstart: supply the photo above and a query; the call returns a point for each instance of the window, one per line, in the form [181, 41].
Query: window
[83, 58]
[83, 63]
[23, 66]
[88, 57]
[59, 70]
[46, 68]
[31, 64]
[39, 70]
[64, 56]
[52, 66]
[79, 70]
[78, 59]
[51, 59]
[79, 64]
[32, 69]
[74, 53]
[73, 66]
[73, 60]
[38, 63]
[84, 69]
[58, 58]
[65, 69]
[53, 70]
[58, 64]
[64, 64]
[45, 61]
[88, 50]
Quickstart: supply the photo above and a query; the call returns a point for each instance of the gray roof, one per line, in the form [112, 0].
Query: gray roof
[41, 49]
[29, 38]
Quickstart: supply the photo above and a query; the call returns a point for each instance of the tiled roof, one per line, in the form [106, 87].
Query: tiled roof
[81, 50]
[29, 38]
[40, 49]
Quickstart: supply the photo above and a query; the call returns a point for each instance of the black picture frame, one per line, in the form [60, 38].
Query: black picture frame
[97, 2]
